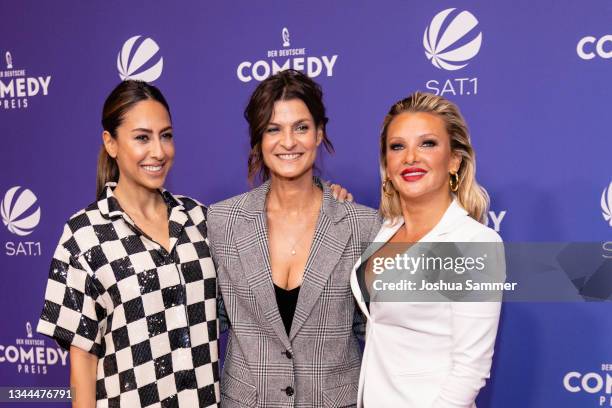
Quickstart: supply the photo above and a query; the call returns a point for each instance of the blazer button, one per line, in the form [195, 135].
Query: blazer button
[288, 354]
[289, 391]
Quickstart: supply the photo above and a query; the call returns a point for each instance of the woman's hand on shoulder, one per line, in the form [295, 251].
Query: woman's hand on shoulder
[340, 193]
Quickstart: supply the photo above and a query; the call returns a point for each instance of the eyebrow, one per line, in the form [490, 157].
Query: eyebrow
[293, 124]
[420, 136]
[150, 131]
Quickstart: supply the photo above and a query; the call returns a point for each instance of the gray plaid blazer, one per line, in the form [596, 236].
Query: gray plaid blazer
[317, 365]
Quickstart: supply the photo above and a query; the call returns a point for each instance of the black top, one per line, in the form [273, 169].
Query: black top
[286, 301]
[362, 283]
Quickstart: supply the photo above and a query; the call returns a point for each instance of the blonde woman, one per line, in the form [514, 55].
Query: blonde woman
[426, 354]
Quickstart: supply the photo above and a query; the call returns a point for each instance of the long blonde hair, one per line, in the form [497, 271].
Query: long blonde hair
[472, 197]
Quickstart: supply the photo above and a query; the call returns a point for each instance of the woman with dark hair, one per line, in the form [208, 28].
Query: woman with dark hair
[284, 251]
[132, 288]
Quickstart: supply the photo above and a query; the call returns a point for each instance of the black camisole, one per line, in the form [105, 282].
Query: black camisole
[286, 301]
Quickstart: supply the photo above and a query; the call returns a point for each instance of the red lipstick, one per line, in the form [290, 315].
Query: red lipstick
[413, 173]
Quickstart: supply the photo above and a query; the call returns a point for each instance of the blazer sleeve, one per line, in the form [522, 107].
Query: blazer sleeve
[474, 329]
[368, 234]
[221, 311]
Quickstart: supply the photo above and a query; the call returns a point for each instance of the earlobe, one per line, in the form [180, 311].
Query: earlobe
[110, 144]
[319, 136]
[455, 163]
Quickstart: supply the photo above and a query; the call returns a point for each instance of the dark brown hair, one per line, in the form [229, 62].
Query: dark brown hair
[283, 86]
[118, 103]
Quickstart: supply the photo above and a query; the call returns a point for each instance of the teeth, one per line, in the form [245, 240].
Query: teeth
[418, 173]
[289, 156]
[152, 168]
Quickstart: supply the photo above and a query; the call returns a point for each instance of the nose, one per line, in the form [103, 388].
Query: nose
[157, 149]
[411, 155]
[288, 141]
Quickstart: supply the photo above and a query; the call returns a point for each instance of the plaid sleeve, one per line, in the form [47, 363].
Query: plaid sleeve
[72, 313]
[221, 311]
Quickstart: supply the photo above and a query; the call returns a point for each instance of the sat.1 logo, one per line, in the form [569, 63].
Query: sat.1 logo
[451, 40]
[20, 215]
[136, 60]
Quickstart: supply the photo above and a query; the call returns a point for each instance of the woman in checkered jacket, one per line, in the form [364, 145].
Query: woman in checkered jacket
[132, 288]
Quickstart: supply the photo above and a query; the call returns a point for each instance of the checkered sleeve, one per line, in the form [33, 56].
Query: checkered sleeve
[73, 313]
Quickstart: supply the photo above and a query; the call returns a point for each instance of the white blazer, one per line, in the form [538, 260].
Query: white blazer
[428, 354]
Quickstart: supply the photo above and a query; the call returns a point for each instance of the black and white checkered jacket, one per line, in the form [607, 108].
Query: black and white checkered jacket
[149, 315]
[317, 364]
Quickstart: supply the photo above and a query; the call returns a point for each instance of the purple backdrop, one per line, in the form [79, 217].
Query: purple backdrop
[532, 79]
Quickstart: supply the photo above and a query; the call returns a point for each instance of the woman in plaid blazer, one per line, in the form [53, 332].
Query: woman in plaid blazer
[284, 252]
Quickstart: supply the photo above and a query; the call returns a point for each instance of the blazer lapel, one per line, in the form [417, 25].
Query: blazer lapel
[387, 230]
[453, 214]
[328, 245]
[251, 235]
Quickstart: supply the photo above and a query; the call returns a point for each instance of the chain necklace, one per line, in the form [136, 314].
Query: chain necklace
[294, 245]
[319, 206]
[302, 233]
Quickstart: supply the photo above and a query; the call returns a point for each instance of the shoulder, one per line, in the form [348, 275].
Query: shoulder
[365, 221]
[362, 214]
[90, 215]
[81, 230]
[223, 215]
[189, 203]
[227, 207]
[474, 231]
[196, 210]
[233, 202]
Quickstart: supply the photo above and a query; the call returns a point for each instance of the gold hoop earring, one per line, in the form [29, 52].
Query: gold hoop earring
[384, 187]
[454, 184]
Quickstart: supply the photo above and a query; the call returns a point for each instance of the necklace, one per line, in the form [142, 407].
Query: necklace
[312, 215]
[308, 215]
[297, 241]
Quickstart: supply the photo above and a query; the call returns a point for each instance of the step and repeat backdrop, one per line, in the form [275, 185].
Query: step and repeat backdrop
[532, 78]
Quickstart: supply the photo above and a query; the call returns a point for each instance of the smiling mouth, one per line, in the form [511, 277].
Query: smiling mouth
[289, 156]
[413, 174]
[153, 169]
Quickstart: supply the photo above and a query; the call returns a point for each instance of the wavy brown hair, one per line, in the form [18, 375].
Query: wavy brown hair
[472, 197]
[283, 86]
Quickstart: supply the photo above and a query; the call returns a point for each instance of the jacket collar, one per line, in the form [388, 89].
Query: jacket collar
[251, 237]
[110, 208]
[451, 217]
[255, 201]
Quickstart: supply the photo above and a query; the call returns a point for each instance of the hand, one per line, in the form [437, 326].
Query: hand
[340, 193]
